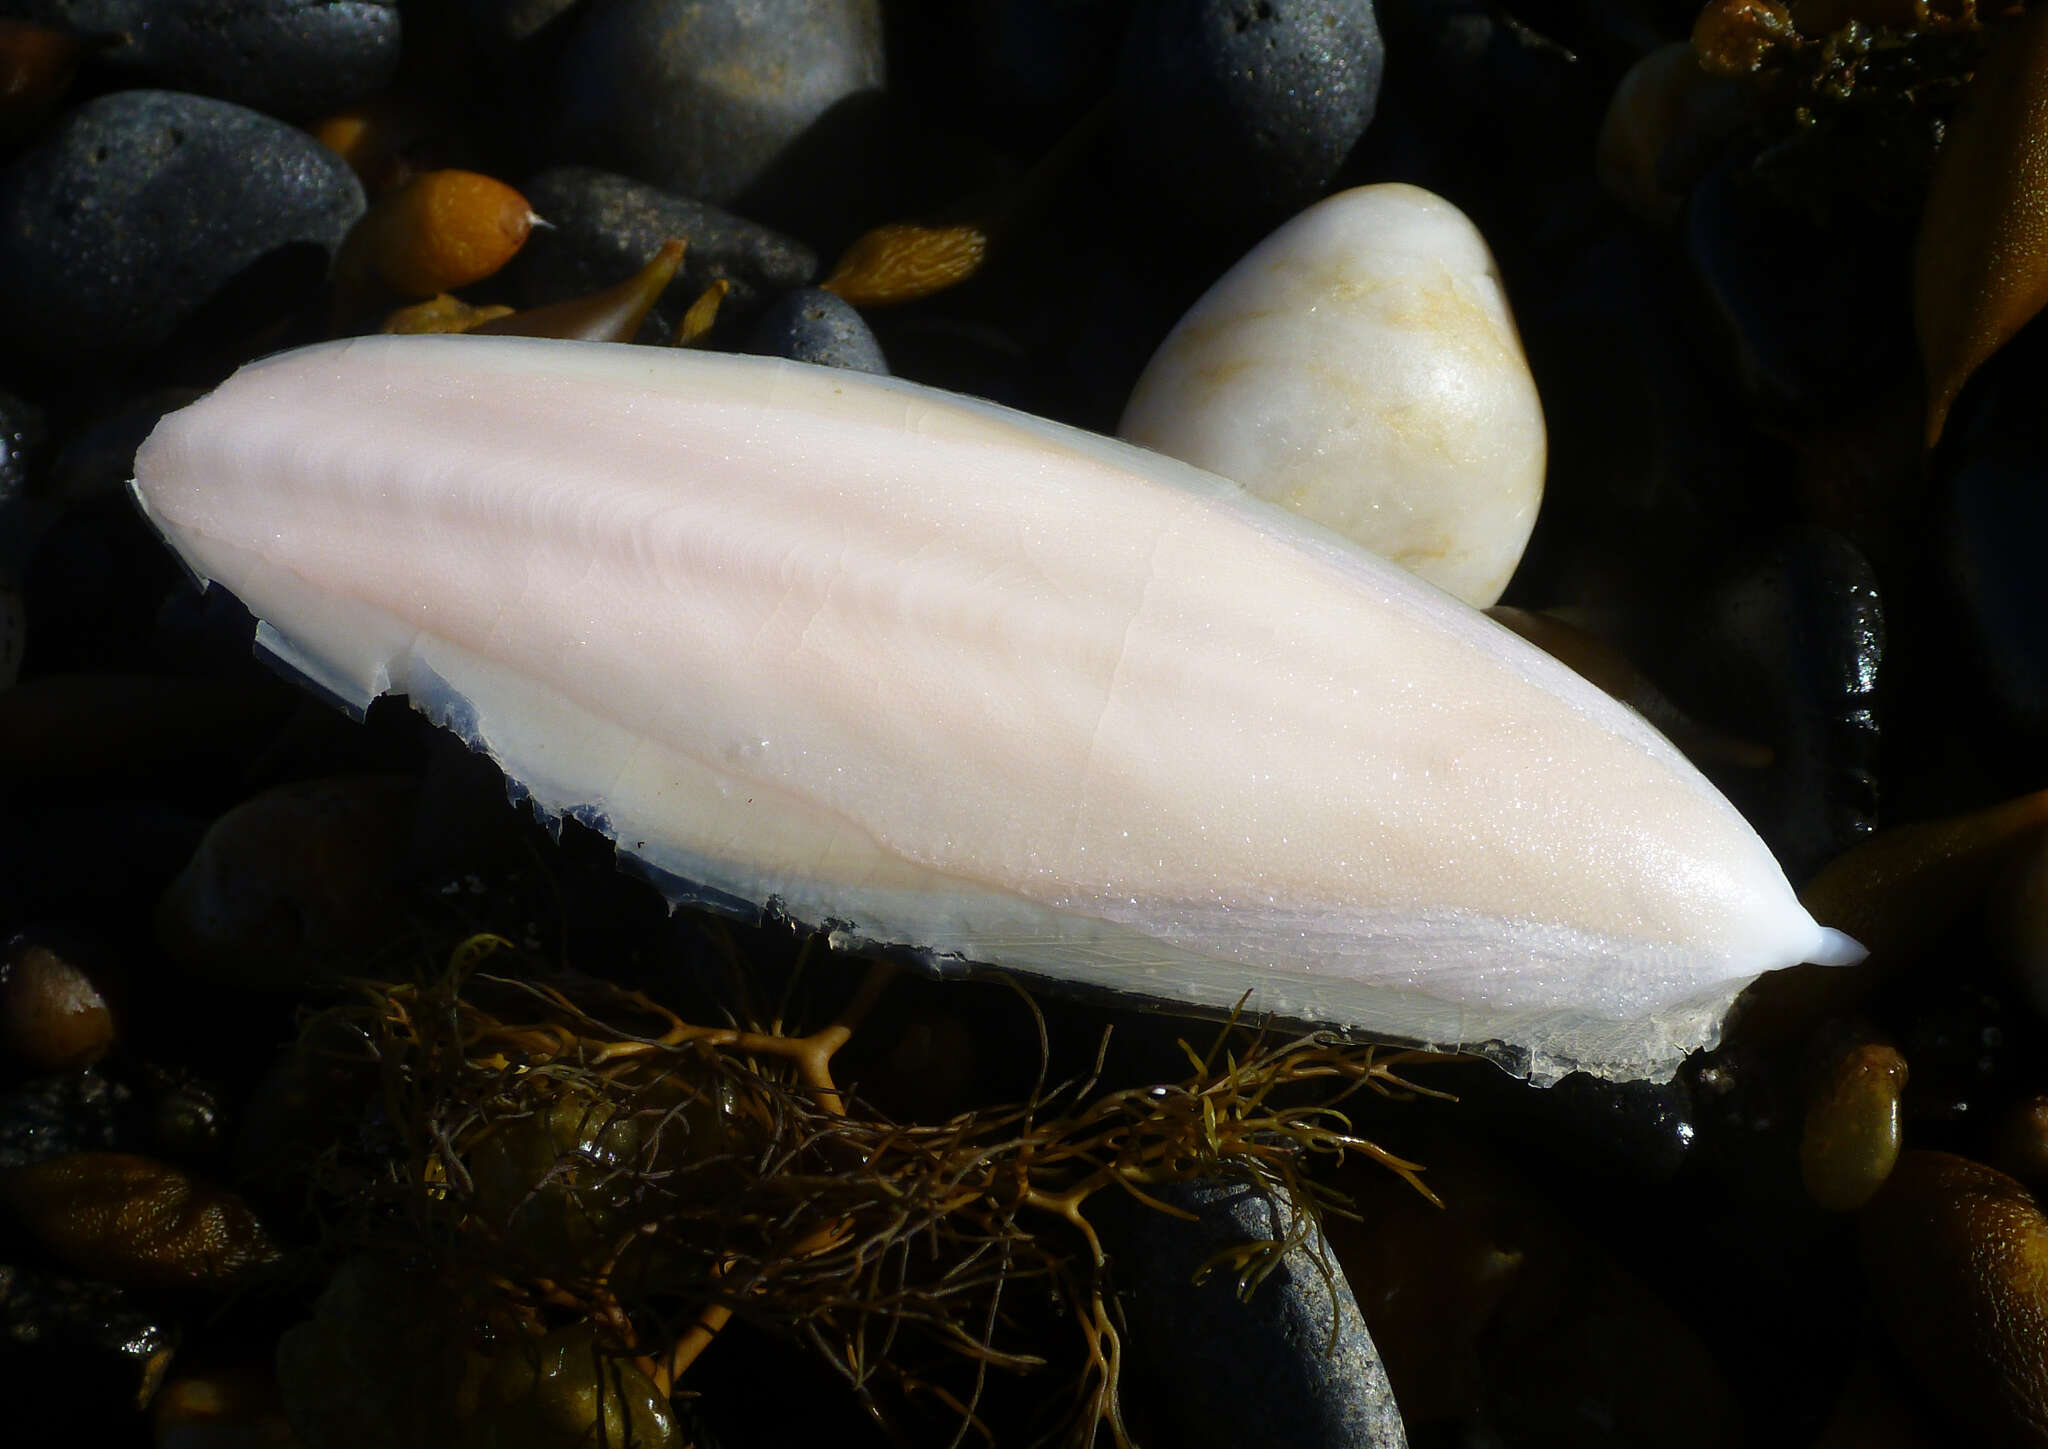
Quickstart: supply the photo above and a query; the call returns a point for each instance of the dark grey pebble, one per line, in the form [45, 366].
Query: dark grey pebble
[604, 227]
[1226, 1371]
[142, 208]
[1804, 317]
[58, 1115]
[1241, 112]
[1786, 647]
[1635, 1132]
[92, 1352]
[814, 325]
[768, 106]
[298, 59]
[94, 582]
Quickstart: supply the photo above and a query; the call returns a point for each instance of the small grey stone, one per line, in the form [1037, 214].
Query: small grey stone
[1241, 112]
[293, 58]
[59, 1115]
[141, 207]
[1228, 1371]
[814, 325]
[741, 103]
[603, 228]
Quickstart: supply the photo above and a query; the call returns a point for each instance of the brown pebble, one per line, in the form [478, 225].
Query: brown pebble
[136, 1222]
[1956, 1256]
[906, 261]
[52, 1017]
[1852, 1135]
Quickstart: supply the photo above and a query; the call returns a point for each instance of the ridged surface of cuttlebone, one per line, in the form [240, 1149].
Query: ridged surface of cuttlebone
[959, 679]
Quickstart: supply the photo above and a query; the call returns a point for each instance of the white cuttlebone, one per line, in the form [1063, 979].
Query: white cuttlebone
[947, 676]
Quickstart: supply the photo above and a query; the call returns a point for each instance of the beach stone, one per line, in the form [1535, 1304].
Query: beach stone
[766, 105]
[603, 228]
[1361, 367]
[1242, 111]
[101, 1351]
[1232, 1369]
[813, 325]
[291, 58]
[24, 437]
[54, 1116]
[142, 207]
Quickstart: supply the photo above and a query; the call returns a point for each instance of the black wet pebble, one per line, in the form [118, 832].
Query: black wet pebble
[55, 1116]
[604, 227]
[298, 59]
[1806, 318]
[768, 106]
[1629, 1131]
[1241, 112]
[1223, 1370]
[146, 211]
[1785, 647]
[811, 324]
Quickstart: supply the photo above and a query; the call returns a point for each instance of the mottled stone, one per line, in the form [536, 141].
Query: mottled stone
[54, 1116]
[765, 105]
[291, 58]
[1360, 366]
[602, 228]
[812, 325]
[142, 207]
[1241, 111]
[1289, 1363]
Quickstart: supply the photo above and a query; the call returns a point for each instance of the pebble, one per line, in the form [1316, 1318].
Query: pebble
[140, 208]
[24, 439]
[52, 1016]
[232, 1407]
[768, 106]
[1241, 112]
[604, 228]
[1787, 647]
[137, 1223]
[1853, 1133]
[1361, 367]
[56, 1116]
[813, 325]
[1290, 1362]
[293, 885]
[2016, 911]
[291, 58]
[1956, 1256]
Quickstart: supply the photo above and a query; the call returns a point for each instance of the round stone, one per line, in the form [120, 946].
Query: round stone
[1360, 367]
[143, 206]
[813, 325]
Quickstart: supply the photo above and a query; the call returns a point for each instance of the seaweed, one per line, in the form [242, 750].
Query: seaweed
[561, 1150]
